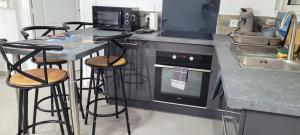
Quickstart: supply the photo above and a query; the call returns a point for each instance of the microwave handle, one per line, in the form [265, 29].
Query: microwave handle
[189, 69]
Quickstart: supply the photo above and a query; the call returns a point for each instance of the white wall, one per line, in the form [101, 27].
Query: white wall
[260, 7]
[8, 30]
[142, 5]
[227, 7]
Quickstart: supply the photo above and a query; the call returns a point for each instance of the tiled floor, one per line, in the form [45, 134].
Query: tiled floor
[143, 122]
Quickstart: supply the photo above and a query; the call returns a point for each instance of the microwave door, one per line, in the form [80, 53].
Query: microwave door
[109, 19]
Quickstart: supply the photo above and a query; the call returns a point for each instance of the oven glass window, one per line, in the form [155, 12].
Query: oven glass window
[108, 18]
[192, 87]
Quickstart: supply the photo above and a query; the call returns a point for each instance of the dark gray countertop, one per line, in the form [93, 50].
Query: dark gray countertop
[260, 90]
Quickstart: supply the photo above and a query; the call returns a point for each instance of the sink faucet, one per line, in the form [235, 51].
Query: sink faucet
[293, 25]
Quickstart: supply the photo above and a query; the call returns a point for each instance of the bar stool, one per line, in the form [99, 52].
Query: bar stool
[102, 63]
[44, 31]
[24, 81]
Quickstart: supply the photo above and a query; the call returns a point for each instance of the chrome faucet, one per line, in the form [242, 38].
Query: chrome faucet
[293, 25]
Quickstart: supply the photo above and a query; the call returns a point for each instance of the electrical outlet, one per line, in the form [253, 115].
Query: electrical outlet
[270, 21]
[234, 23]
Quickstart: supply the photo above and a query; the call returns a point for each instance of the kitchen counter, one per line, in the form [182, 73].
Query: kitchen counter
[259, 90]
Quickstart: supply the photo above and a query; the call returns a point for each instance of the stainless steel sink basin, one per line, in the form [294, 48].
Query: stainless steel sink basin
[259, 59]
[268, 63]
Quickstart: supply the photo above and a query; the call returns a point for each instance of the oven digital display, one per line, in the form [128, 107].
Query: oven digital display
[108, 18]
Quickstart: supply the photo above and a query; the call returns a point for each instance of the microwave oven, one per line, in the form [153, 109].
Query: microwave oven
[115, 18]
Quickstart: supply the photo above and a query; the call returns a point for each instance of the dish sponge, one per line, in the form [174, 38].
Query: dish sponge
[282, 53]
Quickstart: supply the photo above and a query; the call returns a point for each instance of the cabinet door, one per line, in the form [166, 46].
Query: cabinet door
[138, 73]
[260, 123]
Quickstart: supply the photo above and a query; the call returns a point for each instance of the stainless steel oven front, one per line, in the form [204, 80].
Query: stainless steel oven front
[197, 81]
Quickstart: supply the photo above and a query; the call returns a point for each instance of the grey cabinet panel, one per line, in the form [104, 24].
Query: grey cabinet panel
[259, 123]
[138, 73]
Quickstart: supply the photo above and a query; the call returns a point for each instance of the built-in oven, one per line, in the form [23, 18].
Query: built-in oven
[196, 87]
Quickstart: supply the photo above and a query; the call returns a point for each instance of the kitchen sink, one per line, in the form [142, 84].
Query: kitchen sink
[268, 63]
[263, 58]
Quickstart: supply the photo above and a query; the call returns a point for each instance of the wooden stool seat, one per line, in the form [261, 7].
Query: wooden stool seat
[54, 75]
[101, 61]
[39, 60]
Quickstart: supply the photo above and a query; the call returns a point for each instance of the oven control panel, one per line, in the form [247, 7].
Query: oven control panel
[183, 59]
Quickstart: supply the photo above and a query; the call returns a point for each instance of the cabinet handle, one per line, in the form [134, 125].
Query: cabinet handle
[190, 69]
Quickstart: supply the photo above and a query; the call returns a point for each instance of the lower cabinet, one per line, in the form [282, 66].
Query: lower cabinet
[138, 73]
[229, 121]
[261, 123]
[250, 122]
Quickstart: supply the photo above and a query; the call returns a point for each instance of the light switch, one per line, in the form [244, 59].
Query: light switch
[234, 23]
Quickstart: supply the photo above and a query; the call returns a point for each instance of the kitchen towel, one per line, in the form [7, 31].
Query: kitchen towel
[179, 77]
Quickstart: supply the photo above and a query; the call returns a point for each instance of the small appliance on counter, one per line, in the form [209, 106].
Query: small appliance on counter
[151, 24]
[115, 18]
[152, 20]
[246, 20]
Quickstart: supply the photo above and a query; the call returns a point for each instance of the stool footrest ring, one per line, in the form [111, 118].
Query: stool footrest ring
[46, 110]
[105, 115]
[88, 78]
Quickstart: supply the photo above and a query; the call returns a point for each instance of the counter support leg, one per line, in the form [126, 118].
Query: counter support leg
[73, 98]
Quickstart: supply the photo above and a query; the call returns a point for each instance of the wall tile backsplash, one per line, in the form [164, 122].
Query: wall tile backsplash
[224, 21]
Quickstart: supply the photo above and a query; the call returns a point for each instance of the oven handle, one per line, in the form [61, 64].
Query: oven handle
[190, 69]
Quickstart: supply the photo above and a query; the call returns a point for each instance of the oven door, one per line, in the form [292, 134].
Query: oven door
[195, 92]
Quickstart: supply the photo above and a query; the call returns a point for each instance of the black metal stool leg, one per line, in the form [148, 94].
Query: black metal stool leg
[64, 109]
[25, 113]
[81, 76]
[52, 104]
[80, 102]
[96, 90]
[130, 74]
[35, 109]
[57, 109]
[89, 95]
[103, 84]
[20, 112]
[125, 103]
[136, 69]
[63, 85]
[116, 92]
[80, 89]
